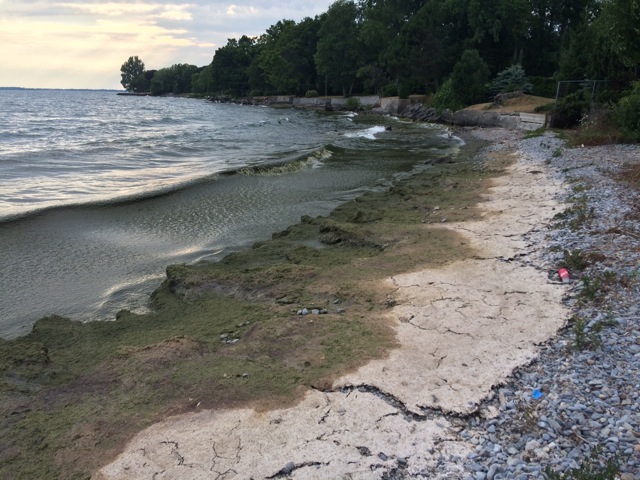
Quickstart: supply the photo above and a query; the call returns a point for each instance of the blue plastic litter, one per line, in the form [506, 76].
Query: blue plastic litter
[536, 394]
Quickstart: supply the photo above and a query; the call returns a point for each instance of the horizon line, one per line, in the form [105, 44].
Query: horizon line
[60, 88]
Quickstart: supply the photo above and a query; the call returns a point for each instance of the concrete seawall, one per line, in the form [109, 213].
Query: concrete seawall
[412, 107]
[485, 118]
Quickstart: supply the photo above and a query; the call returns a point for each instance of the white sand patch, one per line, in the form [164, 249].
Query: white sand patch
[325, 436]
[463, 328]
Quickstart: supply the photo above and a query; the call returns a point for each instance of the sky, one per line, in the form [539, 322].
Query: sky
[83, 43]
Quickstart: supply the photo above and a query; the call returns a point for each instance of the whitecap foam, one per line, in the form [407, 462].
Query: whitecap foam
[369, 133]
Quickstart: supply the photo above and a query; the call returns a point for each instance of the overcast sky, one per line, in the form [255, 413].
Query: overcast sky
[83, 43]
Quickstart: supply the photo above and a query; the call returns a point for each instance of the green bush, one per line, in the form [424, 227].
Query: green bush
[627, 114]
[404, 91]
[352, 104]
[390, 90]
[445, 98]
[543, 86]
[311, 94]
[569, 110]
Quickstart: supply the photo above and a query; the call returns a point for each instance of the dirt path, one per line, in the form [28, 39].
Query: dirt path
[462, 329]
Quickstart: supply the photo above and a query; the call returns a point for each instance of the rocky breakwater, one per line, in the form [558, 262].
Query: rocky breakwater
[420, 113]
[446, 403]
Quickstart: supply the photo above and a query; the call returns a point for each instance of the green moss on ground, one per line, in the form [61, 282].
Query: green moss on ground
[72, 394]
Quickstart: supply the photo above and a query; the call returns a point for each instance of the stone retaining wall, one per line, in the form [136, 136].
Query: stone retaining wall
[483, 118]
[413, 108]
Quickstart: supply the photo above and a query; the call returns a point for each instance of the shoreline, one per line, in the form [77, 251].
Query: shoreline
[364, 426]
[186, 355]
[394, 416]
[389, 417]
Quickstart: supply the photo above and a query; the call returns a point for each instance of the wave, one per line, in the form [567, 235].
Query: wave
[369, 133]
[312, 160]
[108, 201]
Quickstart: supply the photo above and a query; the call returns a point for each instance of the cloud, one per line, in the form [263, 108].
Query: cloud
[235, 10]
[82, 44]
[150, 10]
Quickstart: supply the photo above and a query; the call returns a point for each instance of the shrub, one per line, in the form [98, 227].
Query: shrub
[352, 104]
[597, 128]
[404, 91]
[445, 98]
[511, 79]
[390, 90]
[311, 94]
[569, 110]
[546, 108]
[543, 86]
[627, 114]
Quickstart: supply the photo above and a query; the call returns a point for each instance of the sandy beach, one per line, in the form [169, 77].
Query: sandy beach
[461, 329]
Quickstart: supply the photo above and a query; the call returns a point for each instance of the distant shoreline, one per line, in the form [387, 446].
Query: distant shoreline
[63, 89]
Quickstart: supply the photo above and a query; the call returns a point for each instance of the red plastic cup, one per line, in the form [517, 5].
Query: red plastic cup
[564, 275]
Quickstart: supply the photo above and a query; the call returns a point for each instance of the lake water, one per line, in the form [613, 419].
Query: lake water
[99, 192]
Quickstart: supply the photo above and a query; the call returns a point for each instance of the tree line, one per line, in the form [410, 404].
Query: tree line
[401, 47]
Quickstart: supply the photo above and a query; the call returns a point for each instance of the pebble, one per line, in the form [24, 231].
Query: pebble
[493, 469]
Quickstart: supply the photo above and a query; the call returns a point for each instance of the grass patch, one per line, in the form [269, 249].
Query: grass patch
[578, 260]
[585, 338]
[597, 128]
[538, 132]
[594, 467]
[578, 215]
[631, 175]
[72, 394]
[595, 289]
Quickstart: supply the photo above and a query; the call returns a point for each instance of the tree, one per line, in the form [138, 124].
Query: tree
[603, 46]
[285, 57]
[620, 20]
[175, 79]
[130, 70]
[338, 56]
[426, 49]
[469, 78]
[230, 66]
[510, 80]
[499, 30]
[201, 81]
[549, 27]
[382, 22]
[142, 83]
